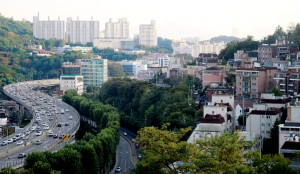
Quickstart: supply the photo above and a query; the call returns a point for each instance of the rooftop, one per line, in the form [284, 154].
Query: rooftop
[217, 119]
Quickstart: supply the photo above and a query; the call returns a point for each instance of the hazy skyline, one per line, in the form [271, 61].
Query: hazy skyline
[175, 19]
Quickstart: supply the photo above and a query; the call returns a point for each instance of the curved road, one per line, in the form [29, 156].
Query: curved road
[48, 113]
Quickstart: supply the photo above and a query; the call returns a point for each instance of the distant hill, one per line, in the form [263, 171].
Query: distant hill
[226, 39]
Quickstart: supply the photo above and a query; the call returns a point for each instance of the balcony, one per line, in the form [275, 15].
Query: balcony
[295, 77]
[282, 84]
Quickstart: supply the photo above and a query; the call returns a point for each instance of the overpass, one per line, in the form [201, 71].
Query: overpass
[44, 109]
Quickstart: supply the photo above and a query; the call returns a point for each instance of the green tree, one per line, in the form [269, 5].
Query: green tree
[42, 167]
[276, 92]
[8, 170]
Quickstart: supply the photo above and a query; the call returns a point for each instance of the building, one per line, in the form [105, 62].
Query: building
[68, 48]
[113, 43]
[148, 34]
[117, 30]
[70, 68]
[213, 76]
[132, 67]
[249, 81]
[81, 31]
[288, 82]
[266, 52]
[49, 29]
[68, 82]
[209, 126]
[261, 119]
[94, 71]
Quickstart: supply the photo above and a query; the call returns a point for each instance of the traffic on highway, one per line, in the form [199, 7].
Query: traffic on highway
[53, 122]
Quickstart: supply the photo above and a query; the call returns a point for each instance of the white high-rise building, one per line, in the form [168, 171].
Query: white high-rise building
[48, 29]
[117, 30]
[81, 31]
[148, 34]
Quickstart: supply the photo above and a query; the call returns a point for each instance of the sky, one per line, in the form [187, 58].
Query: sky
[175, 19]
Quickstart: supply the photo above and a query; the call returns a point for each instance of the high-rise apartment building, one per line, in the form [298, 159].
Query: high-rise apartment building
[49, 29]
[81, 31]
[94, 71]
[148, 34]
[117, 30]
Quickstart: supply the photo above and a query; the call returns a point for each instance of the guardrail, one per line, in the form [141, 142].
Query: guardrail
[54, 147]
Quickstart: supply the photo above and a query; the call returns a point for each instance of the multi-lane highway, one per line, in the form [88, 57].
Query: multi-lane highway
[52, 126]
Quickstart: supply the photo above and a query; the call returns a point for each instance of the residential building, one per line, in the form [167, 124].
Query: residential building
[213, 75]
[69, 68]
[50, 29]
[94, 71]
[288, 82]
[207, 60]
[117, 30]
[261, 119]
[68, 82]
[148, 34]
[78, 31]
[209, 126]
[249, 81]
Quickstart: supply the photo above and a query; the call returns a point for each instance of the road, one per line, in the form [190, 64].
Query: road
[50, 116]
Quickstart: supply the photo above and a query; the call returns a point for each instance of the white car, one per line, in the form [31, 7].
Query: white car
[39, 133]
[50, 133]
[9, 141]
[118, 169]
[46, 127]
[20, 142]
[125, 133]
[67, 110]
[44, 124]
[4, 143]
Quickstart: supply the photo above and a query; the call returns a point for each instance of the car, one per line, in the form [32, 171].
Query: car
[20, 142]
[125, 133]
[26, 138]
[4, 143]
[67, 124]
[15, 139]
[39, 133]
[44, 124]
[50, 118]
[70, 117]
[50, 133]
[46, 127]
[67, 110]
[140, 156]
[60, 136]
[21, 155]
[9, 141]
[59, 124]
[55, 136]
[118, 169]
[38, 142]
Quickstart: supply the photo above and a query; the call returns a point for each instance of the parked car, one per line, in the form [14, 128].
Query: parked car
[20, 142]
[38, 142]
[4, 143]
[118, 169]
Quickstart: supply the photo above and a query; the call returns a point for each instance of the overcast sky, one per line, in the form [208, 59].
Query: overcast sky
[175, 18]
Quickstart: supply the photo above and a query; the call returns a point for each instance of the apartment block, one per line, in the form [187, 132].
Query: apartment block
[213, 75]
[48, 29]
[117, 30]
[251, 82]
[148, 34]
[94, 71]
[78, 31]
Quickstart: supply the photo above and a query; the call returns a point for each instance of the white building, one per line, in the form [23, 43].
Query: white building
[148, 34]
[113, 43]
[164, 61]
[49, 29]
[68, 48]
[94, 71]
[209, 126]
[68, 82]
[81, 31]
[261, 120]
[117, 30]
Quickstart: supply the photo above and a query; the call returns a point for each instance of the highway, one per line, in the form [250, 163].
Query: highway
[52, 126]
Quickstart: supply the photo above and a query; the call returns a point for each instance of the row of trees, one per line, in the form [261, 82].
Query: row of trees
[92, 154]
[164, 151]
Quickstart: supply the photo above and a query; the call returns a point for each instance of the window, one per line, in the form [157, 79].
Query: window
[263, 124]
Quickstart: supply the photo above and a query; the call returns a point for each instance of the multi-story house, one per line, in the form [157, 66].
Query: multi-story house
[213, 75]
[68, 82]
[251, 82]
[94, 71]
